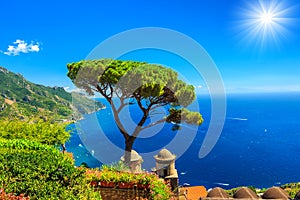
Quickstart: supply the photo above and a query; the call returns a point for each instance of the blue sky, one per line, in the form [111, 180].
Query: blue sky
[51, 34]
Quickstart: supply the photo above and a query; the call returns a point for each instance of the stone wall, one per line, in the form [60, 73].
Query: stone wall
[123, 194]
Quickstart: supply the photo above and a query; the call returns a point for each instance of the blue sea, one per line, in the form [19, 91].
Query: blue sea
[259, 145]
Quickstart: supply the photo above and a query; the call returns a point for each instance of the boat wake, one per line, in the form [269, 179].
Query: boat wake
[237, 118]
[223, 184]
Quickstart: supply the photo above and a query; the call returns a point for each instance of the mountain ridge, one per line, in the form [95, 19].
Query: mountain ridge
[22, 99]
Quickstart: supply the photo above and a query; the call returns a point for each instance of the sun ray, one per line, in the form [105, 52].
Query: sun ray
[265, 22]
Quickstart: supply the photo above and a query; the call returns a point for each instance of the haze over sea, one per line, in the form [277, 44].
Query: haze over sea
[259, 144]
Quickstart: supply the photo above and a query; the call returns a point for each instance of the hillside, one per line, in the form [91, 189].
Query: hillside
[22, 99]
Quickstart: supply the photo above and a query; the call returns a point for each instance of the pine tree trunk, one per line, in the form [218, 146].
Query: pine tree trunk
[128, 147]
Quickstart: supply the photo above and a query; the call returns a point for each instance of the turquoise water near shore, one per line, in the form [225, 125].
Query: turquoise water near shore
[259, 144]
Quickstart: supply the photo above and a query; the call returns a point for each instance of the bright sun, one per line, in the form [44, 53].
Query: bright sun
[265, 21]
[266, 18]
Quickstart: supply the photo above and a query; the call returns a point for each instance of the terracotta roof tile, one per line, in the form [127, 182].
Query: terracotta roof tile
[194, 193]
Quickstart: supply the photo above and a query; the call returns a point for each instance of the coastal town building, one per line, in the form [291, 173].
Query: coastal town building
[165, 168]
[245, 193]
[135, 162]
[218, 193]
[275, 193]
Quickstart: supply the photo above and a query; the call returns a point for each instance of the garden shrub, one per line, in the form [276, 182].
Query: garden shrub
[40, 172]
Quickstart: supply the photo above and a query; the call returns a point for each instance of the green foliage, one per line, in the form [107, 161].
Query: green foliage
[117, 167]
[132, 79]
[232, 191]
[147, 84]
[184, 115]
[91, 72]
[43, 132]
[291, 188]
[29, 99]
[252, 188]
[40, 172]
[159, 189]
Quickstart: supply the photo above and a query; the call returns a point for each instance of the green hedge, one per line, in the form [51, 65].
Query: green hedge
[40, 131]
[40, 172]
[159, 190]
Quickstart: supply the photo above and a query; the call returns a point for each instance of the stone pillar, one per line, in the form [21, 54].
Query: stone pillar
[173, 171]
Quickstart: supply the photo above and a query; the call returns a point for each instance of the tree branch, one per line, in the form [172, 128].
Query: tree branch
[153, 124]
[115, 113]
[122, 106]
[111, 90]
[102, 93]
[122, 99]
[140, 105]
[138, 129]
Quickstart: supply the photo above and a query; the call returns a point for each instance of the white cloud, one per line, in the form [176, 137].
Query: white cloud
[20, 46]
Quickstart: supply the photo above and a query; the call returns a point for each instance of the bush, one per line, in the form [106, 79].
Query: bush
[158, 188]
[40, 131]
[291, 188]
[40, 172]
